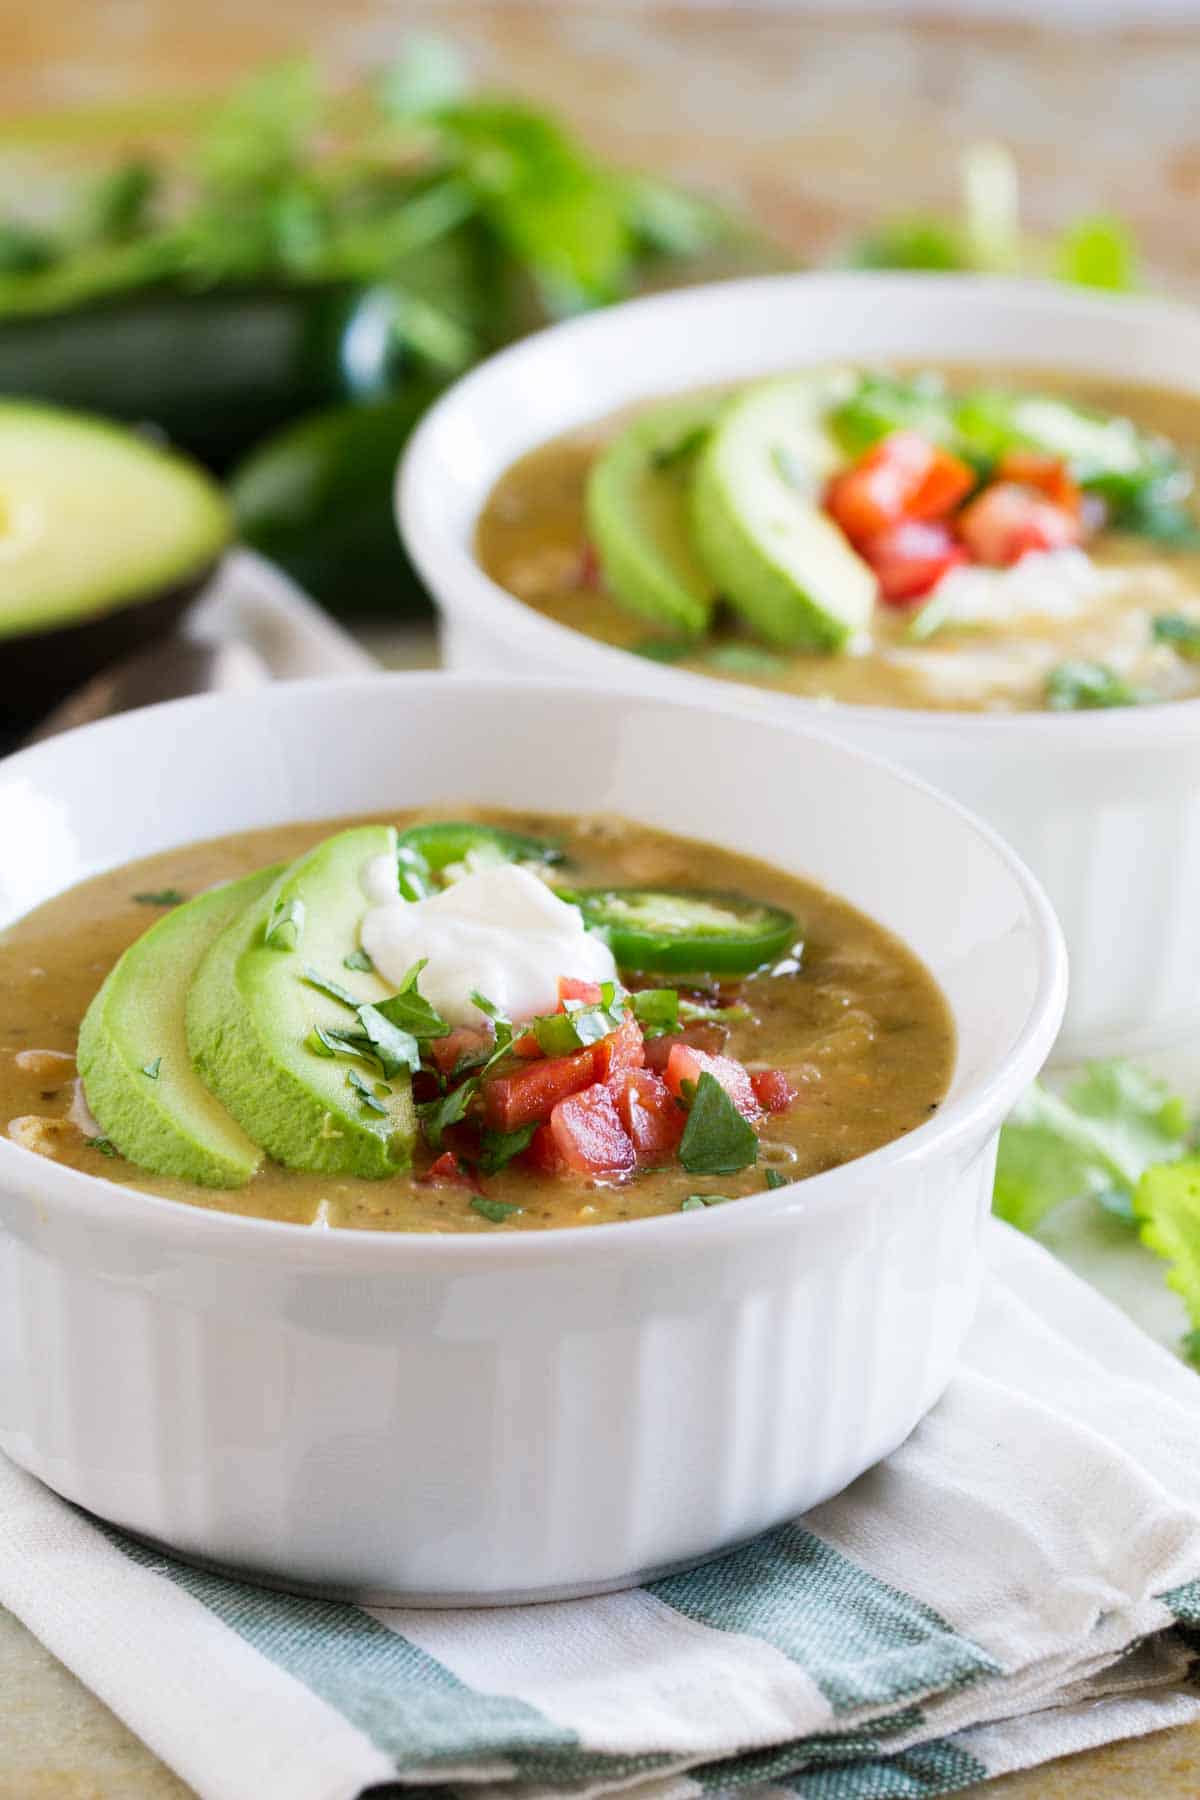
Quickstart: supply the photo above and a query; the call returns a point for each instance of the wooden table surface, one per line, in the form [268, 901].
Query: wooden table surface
[820, 125]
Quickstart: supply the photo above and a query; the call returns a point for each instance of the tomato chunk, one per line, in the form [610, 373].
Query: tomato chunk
[447, 1052]
[448, 1171]
[904, 476]
[620, 1051]
[570, 989]
[687, 1064]
[700, 1036]
[1008, 520]
[589, 1135]
[1049, 475]
[772, 1089]
[652, 1117]
[542, 1153]
[910, 559]
[527, 1096]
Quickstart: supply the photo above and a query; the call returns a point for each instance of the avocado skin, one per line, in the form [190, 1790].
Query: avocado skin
[637, 514]
[249, 1012]
[40, 668]
[139, 1113]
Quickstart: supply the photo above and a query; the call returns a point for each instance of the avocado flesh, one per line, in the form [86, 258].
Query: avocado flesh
[758, 522]
[251, 1014]
[637, 514]
[93, 518]
[168, 1121]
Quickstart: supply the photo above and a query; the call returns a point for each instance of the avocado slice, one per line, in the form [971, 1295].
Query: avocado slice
[104, 539]
[252, 1009]
[757, 518]
[637, 514]
[133, 1055]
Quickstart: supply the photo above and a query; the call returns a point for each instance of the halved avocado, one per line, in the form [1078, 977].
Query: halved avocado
[104, 539]
[637, 511]
[758, 521]
[253, 1006]
[133, 1055]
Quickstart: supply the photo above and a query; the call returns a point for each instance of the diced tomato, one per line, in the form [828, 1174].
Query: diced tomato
[526, 1045]
[528, 1095]
[1007, 521]
[448, 1171]
[447, 1052]
[772, 1089]
[1048, 474]
[904, 476]
[589, 1135]
[588, 992]
[651, 1115]
[910, 559]
[542, 1153]
[686, 1064]
[701, 1036]
[620, 1051]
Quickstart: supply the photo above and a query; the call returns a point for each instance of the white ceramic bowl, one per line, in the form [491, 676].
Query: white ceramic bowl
[1105, 806]
[497, 1415]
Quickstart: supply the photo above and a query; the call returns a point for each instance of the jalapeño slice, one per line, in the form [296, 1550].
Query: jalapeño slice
[448, 841]
[685, 931]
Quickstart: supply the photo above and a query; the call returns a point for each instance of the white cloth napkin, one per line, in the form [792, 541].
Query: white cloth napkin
[1019, 1580]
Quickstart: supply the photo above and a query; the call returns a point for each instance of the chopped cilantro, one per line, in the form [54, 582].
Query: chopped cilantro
[774, 1179]
[1167, 1205]
[359, 961]
[285, 927]
[104, 1145]
[1180, 632]
[161, 897]
[744, 659]
[318, 1041]
[499, 1147]
[1086, 686]
[656, 1010]
[365, 1095]
[716, 1140]
[334, 989]
[696, 1202]
[394, 1048]
[494, 1210]
[151, 1069]
[664, 650]
[437, 1115]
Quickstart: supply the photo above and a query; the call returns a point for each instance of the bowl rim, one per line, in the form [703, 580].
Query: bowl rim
[449, 568]
[339, 1249]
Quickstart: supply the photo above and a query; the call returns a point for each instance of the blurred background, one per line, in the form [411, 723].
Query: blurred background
[272, 233]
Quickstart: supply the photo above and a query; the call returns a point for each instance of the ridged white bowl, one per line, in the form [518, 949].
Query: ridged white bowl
[501, 1414]
[1105, 807]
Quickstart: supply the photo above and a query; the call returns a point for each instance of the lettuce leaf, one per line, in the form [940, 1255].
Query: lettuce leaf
[1098, 1139]
[1167, 1207]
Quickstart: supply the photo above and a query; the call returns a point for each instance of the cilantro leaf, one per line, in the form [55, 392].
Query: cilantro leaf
[1086, 686]
[360, 961]
[161, 897]
[1180, 632]
[395, 1049]
[366, 1094]
[1097, 1140]
[334, 989]
[499, 1147]
[774, 1179]
[285, 927]
[437, 1115]
[495, 1210]
[716, 1140]
[697, 1202]
[104, 1145]
[409, 1011]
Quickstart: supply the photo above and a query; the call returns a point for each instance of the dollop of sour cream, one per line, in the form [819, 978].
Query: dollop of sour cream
[498, 931]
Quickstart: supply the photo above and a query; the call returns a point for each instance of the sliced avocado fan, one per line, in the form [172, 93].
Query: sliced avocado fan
[252, 1009]
[757, 518]
[637, 514]
[94, 518]
[133, 1056]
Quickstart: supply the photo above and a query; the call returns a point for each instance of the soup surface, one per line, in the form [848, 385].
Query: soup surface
[1064, 577]
[855, 1026]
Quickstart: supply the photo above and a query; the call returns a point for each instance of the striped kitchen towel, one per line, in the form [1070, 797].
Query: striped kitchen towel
[1021, 1579]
